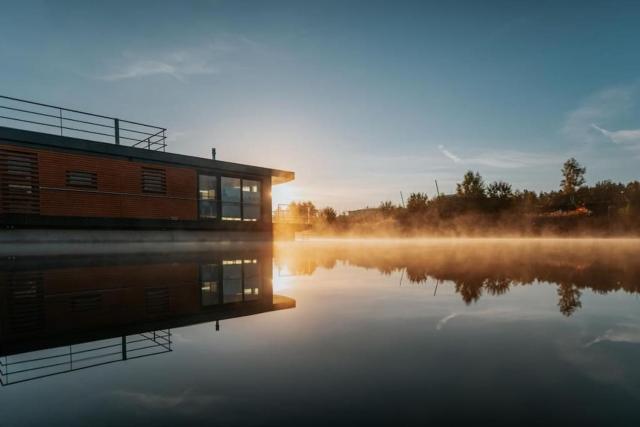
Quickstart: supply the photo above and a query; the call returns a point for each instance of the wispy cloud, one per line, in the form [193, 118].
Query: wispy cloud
[629, 136]
[601, 107]
[449, 154]
[177, 63]
[506, 159]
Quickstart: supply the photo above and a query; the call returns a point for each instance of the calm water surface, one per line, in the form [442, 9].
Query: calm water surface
[500, 332]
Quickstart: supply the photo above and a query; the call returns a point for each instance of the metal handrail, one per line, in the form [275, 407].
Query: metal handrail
[154, 136]
[14, 372]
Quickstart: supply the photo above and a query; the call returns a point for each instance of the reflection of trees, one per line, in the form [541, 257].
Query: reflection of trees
[569, 299]
[497, 286]
[490, 268]
[415, 275]
[470, 291]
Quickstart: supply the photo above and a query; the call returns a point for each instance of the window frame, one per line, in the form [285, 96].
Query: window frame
[222, 202]
[242, 203]
[216, 201]
[219, 201]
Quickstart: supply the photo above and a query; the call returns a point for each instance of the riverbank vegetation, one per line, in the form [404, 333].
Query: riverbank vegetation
[481, 209]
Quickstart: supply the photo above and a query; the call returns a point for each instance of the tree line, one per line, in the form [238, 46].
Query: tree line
[479, 208]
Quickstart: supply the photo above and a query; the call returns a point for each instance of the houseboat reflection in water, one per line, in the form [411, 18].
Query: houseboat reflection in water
[61, 314]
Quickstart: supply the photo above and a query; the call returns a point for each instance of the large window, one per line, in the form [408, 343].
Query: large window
[231, 199]
[241, 199]
[250, 200]
[207, 195]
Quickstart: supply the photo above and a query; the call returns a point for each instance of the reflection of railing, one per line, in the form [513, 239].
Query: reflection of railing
[29, 366]
[36, 116]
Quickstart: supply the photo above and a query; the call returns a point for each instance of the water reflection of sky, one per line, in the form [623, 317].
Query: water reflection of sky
[360, 347]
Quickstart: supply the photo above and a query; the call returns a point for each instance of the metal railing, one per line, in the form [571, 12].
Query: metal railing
[45, 363]
[36, 116]
[285, 216]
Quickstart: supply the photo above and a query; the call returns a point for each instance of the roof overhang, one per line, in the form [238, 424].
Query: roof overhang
[65, 143]
[280, 177]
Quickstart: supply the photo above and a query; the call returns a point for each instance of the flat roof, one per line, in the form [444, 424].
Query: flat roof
[65, 143]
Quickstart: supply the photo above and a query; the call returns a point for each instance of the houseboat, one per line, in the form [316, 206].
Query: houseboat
[68, 175]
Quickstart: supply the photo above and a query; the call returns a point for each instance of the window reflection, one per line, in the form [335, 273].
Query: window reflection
[252, 280]
[232, 282]
[210, 286]
[231, 198]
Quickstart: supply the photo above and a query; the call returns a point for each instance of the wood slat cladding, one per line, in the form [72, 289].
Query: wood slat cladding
[154, 181]
[118, 187]
[156, 300]
[86, 303]
[25, 300]
[19, 182]
[82, 179]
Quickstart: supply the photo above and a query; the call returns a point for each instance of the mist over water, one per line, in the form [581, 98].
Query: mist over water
[339, 332]
[477, 267]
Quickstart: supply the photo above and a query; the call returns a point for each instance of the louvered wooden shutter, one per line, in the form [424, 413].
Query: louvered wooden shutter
[19, 182]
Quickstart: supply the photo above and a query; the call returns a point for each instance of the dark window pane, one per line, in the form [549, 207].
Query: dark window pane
[231, 199]
[207, 188]
[251, 200]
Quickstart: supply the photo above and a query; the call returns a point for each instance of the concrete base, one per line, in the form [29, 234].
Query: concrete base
[27, 241]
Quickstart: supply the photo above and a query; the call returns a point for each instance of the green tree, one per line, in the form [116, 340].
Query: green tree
[573, 176]
[303, 210]
[526, 201]
[328, 215]
[417, 202]
[387, 208]
[472, 186]
[499, 190]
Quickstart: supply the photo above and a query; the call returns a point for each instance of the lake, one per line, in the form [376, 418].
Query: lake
[332, 332]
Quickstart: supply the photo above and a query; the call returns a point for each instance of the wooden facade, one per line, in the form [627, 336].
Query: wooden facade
[53, 181]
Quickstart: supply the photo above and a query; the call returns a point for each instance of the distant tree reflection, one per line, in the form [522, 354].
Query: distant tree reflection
[569, 299]
[491, 268]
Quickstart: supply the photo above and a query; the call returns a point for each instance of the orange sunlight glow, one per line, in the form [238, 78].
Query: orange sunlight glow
[283, 194]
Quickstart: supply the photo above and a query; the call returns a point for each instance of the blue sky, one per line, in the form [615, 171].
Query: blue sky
[361, 99]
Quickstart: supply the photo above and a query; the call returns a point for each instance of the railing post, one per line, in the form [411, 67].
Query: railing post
[116, 126]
